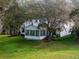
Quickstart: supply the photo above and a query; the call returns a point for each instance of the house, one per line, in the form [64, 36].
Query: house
[31, 31]
[66, 28]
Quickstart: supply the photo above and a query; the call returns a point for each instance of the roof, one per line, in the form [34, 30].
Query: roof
[33, 22]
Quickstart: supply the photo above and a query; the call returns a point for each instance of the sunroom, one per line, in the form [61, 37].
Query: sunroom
[33, 33]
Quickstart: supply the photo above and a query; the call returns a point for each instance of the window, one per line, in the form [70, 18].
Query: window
[27, 32]
[37, 32]
[32, 33]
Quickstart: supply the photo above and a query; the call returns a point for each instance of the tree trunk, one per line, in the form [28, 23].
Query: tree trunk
[77, 36]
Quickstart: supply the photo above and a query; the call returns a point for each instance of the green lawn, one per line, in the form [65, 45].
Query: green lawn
[19, 48]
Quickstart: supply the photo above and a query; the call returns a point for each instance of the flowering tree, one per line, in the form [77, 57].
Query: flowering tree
[56, 11]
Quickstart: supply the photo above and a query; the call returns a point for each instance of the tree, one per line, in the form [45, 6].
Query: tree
[14, 17]
[74, 15]
[56, 11]
[10, 15]
[4, 6]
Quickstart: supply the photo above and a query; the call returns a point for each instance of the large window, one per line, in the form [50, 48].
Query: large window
[37, 32]
[32, 33]
[27, 32]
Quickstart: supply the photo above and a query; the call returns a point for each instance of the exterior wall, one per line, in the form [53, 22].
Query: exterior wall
[34, 28]
[35, 37]
[64, 33]
[67, 29]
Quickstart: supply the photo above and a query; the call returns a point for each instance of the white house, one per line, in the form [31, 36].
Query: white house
[67, 28]
[31, 31]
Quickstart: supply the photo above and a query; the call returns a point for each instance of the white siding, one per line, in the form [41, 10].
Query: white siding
[66, 29]
[35, 37]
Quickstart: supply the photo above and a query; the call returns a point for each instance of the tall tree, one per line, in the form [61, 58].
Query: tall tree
[56, 11]
[4, 6]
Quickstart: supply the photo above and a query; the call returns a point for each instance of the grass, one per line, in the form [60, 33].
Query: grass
[19, 48]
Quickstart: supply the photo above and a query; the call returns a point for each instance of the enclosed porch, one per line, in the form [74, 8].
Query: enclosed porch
[36, 34]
